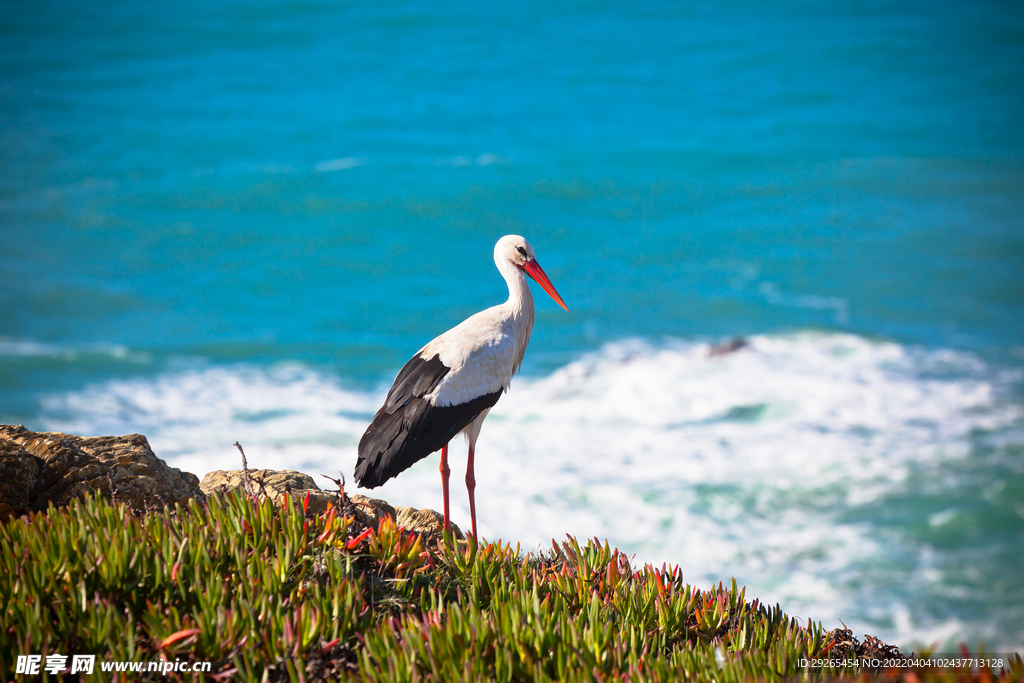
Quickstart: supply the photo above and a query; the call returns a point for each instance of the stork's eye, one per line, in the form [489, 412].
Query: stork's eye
[521, 251]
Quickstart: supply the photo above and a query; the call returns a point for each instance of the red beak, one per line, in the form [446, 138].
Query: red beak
[534, 270]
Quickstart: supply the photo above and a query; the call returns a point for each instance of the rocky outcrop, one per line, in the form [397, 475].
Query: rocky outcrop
[369, 511]
[425, 521]
[38, 469]
[42, 468]
[273, 483]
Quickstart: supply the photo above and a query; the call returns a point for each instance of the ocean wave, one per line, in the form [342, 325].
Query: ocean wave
[27, 348]
[487, 159]
[338, 164]
[766, 464]
[839, 306]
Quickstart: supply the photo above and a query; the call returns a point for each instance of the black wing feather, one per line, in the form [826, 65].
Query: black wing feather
[407, 428]
[418, 377]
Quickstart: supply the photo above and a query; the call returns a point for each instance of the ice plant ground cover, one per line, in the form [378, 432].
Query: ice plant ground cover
[269, 592]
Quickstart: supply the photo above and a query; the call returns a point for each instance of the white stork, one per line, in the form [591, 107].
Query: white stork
[451, 384]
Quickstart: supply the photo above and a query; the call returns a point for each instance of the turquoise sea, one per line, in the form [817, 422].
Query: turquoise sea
[231, 220]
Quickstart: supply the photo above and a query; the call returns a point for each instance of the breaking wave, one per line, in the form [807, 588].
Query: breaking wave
[775, 464]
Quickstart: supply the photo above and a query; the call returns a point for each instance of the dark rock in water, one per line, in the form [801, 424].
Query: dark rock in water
[40, 468]
[727, 347]
[369, 511]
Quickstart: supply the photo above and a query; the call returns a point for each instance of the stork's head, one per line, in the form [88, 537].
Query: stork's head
[516, 250]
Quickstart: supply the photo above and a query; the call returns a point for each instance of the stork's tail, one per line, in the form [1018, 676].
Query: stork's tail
[396, 440]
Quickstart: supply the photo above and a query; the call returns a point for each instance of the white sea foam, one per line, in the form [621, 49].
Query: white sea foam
[839, 306]
[272, 168]
[10, 346]
[741, 465]
[338, 164]
[487, 159]
[288, 417]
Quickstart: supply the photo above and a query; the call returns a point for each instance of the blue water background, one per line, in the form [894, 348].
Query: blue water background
[259, 182]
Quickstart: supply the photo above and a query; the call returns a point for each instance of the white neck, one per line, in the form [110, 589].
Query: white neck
[519, 307]
[520, 299]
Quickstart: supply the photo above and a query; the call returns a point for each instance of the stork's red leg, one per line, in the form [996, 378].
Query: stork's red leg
[444, 485]
[471, 485]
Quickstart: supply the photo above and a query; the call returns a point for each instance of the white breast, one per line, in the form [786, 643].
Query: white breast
[483, 353]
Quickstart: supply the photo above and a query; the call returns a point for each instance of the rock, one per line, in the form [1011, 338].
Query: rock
[19, 471]
[368, 511]
[425, 521]
[727, 347]
[272, 482]
[40, 468]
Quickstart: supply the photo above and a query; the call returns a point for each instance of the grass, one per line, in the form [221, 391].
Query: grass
[273, 593]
